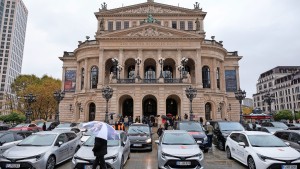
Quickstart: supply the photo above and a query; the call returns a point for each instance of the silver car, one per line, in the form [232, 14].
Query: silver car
[178, 149]
[118, 152]
[41, 150]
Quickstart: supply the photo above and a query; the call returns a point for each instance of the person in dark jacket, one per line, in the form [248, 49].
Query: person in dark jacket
[160, 131]
[44, 126]
[100, 150]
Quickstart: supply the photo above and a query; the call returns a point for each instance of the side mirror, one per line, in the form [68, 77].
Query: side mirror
[156, 141]
[288, 144]
[60, 143]
[199, 142]
[242, 144]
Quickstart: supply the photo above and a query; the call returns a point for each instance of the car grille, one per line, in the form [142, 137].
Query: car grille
[172, 164]
[81, 165]
[279, 165]
[137, 142]
[23, 165]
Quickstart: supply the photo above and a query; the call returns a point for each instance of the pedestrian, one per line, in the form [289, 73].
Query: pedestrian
[185, 116]
[100, 150]
[201, 121]
[44, 126]
[209, 128]
[159, 131]
[166, 125]
[126, 121]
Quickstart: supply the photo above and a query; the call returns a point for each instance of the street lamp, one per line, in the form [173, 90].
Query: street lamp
[240, 95]
[138, 61]
[161, 62]
[58, 95]
[29, 98]
[269, 98]
[115, 64]
[191, 93]
[107, 93]
[184, 61]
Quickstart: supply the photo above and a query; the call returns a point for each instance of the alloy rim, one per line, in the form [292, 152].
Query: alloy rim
[251, 163]
[228, 153]
[51, 163]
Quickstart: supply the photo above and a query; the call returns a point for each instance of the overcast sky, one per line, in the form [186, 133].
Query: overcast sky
[266, 33]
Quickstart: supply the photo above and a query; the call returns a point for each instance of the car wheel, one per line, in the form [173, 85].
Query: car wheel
[205, 150]
[51, 162]
[251, 163]
[128, 156]
[228, 153]
[220, 145]
[150, 149]
[122, 163]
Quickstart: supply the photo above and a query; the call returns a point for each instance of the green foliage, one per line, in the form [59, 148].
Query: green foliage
[283, 115]
[13, 117]
[297, 115]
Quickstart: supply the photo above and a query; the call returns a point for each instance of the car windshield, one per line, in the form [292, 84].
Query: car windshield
[280, 125]
[138, 129]
[265, 141]
[110, 143]
[38, 140]
[63, 125]
[190, 126]
[231, 126]
[178, 139]
[273, 129]
[20, 125]
[297, 124]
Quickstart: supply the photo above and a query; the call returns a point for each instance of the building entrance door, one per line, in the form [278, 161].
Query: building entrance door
[171, 107]
[208, 111]
[128, 108]
[92, 110]
[149, 107]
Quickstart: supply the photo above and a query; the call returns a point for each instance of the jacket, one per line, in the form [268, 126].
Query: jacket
[100, 147]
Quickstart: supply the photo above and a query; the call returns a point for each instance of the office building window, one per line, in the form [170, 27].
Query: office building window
[182, 25]
[126, 24]
[190, 25]
[110, 26]
[118, 25]
[174, 24]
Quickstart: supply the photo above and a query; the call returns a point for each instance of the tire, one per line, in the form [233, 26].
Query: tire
[77, 148]
[150, 150]
[51, 162]
[205, 150]
[228, 153]
[128, 156]
[221, 145]
[122, 163]
[251, 163]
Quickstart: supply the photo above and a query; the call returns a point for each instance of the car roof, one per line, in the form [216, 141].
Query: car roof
[175, 131]
[290, 131]
[252, 132]
[54, 132]
[139, 124]
[15, 131]
[187, 122]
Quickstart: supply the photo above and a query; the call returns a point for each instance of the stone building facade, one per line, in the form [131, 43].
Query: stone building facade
[149, 53]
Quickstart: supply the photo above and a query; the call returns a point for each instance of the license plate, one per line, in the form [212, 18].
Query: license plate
[13, 166]
[289, 167]
[137, 145]
[181, 163]
[88, 167]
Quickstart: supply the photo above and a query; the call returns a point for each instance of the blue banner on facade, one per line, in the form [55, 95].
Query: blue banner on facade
[230, 79]
[70, 81]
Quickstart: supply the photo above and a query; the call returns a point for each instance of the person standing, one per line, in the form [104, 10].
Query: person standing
[201, 121]
[186, 116]
[209, 128]
[44, 126]
[100, 150]
[159, 131]
[166, 125]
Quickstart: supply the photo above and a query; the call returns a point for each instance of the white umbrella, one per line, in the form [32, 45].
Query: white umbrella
[101, 130]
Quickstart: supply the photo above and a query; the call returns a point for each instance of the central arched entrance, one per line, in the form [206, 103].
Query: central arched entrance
[126, 106]
[208, 111]
[173, 105]
[149, 106]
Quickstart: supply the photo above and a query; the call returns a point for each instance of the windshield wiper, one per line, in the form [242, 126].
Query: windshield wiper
[140, 131]
[256, 146]
[25, 145]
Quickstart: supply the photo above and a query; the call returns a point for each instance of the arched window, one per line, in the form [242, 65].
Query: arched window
[82, 78]
[92, 111]
[186, 70]
[208, 111]
[150, 72]
[131, 72]
[218, 77]
[168, 72]
[206, 77]
[94, 77]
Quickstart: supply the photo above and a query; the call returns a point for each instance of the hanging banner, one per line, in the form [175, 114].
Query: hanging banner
[70, 81]
[230, 80]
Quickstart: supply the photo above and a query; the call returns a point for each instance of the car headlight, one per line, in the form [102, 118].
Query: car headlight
[148, 140]
[197, 155]
[39, 156]
[264, 158]
[114, 157]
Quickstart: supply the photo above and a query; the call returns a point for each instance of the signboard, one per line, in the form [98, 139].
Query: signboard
[70, 81]
[230, 80]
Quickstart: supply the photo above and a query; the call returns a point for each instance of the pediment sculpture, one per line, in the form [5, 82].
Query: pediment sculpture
[149, 32]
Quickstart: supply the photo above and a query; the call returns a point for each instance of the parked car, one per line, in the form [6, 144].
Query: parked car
[74, 129]
[261, 150]
[66, 124]
[275, 124]
[118, 152]
[291, 136]
[221, 131]
[26, 127]
[194, 129]
[49, 125]
[9, 139]
[41, 150]
[4, 127]
[178, 149]
[271, 130]
[249, 127]
[140, 137]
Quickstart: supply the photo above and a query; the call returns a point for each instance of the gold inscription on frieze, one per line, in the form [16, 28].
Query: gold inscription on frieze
[149, 44]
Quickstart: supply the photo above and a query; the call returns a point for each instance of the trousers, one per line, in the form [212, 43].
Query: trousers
[99, 161]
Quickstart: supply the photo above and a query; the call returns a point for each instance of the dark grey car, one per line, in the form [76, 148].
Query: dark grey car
[291, 136]
[140, 137]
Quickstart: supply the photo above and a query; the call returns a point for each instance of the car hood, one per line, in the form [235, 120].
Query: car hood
[277, 152]
[86, 152]
[84, 138]
[138, 136]
[197, 134]
[25, 151]
[181, 150]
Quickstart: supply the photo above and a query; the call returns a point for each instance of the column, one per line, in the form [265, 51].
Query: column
[213, 85]
[101, 68]
[198, 68]
[86, 74]
[158, 66]
[178, 63]
[78, 77]
[141, 68]
[121, 56]
[63, 78]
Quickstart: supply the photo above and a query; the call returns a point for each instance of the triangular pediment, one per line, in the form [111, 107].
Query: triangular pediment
[150, 7]
[149, 31]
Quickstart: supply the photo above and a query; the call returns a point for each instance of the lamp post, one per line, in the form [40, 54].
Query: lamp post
[184, 61]
[29, 98]
[161, 62]
[58, 95]
[191, 93]
[240, 95]
[138, 61]
[115, 64]
[107, 93]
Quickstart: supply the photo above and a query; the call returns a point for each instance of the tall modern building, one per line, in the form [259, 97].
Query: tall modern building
[12, 37]
[149, 54]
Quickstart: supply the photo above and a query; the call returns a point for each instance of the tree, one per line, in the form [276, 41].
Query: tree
[13, 117]
[283, 115]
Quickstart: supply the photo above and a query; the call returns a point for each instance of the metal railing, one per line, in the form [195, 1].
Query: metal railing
[149, 80]
[172, 80]
[126, 81]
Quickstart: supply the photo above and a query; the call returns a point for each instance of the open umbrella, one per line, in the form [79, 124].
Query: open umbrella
[101, 130]
[111, 113]
[163, 116]
[169, 114]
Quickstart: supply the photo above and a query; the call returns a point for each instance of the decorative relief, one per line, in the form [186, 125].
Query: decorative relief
[149, 32]
[150, 9]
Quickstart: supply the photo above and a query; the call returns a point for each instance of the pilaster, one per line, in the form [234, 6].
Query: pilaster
[101, 68]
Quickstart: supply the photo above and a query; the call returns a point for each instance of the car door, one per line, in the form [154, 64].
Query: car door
[62, 151]
[294, 141]
[6, 142]
[73, 143]
[241, 150]
[126, 148]
[233, 144]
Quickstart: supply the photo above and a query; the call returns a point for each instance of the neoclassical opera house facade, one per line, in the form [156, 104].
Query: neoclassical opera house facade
[149, 53]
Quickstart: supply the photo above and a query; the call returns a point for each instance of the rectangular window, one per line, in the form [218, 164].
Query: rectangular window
[118, 25]
[190, 25]
[134, 24]
[174, 24]
[126, 24]
[182, 25]
[110, 26]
